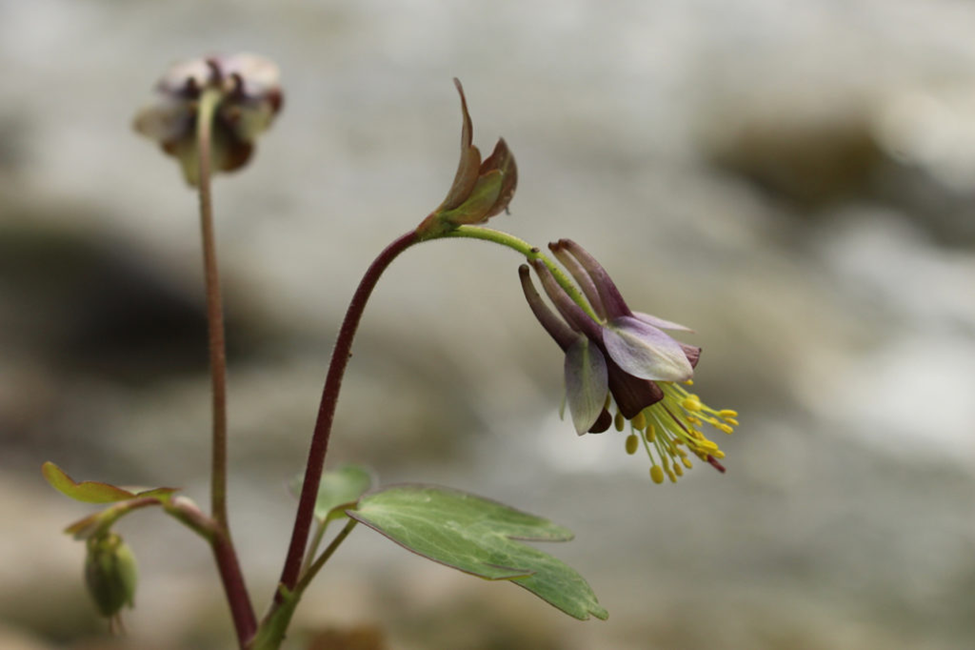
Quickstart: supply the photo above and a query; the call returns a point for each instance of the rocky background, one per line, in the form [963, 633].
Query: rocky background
[795, 180]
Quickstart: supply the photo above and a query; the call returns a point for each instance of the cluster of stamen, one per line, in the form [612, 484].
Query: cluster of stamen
[670, 431]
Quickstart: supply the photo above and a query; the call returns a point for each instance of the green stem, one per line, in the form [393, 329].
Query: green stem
[313, 548]
[324, 557]
[529, 251]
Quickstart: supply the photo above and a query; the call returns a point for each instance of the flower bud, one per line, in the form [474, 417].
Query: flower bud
[250, 97]
[110, 573]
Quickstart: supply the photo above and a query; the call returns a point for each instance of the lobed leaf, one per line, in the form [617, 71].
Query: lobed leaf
[480, 537]
[95, 491]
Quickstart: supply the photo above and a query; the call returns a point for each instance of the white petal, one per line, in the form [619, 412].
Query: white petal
[644, 351]
[586, 383]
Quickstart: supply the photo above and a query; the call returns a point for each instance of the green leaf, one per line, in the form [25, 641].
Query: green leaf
[480, 537]
[339, 488]
[94, 491]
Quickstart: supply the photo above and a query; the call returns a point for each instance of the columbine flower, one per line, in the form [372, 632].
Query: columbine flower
[250, 98]
[480, 189]
[617, 356]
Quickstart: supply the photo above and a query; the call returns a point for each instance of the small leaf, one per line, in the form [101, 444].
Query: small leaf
[480, 537]
[339, 487]
[84, 528]
[94, 491]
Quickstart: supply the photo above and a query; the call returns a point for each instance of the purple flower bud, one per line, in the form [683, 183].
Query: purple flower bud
[250, 98]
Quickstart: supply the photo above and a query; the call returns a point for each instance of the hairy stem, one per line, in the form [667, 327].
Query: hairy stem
[245, 622]
[326, 410]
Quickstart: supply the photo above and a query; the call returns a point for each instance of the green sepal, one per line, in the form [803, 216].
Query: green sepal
[480, 537]
[95, 491]
[339, 489]
[477, 206]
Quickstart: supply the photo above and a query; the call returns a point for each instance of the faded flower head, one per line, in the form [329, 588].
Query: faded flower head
[250, 97]
[481, 189]
[623, 361]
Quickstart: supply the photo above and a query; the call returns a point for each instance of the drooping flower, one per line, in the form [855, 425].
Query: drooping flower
[623, 361]
[481, 189]
[250, 97]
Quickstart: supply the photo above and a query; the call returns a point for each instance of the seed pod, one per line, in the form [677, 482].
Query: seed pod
[110, 573]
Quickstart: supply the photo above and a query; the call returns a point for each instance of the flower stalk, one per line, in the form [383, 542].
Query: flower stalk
[245, 622]
[341, 354]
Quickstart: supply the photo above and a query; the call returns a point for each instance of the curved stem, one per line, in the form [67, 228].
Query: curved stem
[326, 410]
[245, 622]
[530, 252]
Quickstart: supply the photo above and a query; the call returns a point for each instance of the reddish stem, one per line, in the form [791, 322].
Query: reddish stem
[245, 623]
[326, 410]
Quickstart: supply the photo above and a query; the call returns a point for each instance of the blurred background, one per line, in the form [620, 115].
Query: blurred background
[795, 180]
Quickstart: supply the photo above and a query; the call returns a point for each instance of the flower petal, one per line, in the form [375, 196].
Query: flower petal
[470, 159]
[692, 352]
[477, 206]
[464, 178]
[504, 161]
[631, 394]
[586, 383]
[611, 297]
[603, 422]
[582, 278]
[259, 77]
[570, 311]
[185, 78]
[166, 120]
[557, 329]
[644, 351]
[660, 323]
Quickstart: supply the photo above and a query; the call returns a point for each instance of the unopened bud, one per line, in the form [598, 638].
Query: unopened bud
[110, 573]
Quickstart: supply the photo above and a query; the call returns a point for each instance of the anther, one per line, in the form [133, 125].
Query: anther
[632, 443]
[657, 474]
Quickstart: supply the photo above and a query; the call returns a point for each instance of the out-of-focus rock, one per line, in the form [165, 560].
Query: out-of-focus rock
[808, 153]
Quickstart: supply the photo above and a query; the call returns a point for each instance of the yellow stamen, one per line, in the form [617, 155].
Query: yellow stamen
[639, 422]
[657, 474]
[618, 421]
[632, 443]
